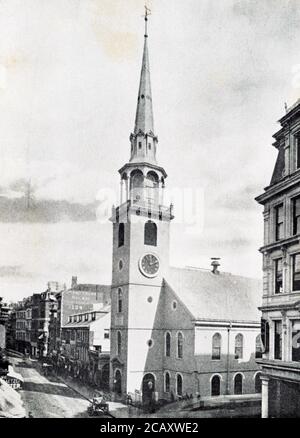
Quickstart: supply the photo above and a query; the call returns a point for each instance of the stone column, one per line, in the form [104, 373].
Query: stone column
[127, 188]
[121, 191]
[267, 225]
[264, 397]
[162, 189]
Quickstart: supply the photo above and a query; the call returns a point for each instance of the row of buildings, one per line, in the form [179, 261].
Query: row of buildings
[68, 326]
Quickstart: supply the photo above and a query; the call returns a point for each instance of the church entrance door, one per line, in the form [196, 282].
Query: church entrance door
[148, 389]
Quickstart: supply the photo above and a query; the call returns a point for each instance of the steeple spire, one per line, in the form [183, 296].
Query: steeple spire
[144, 111]
[147, 12]
[142, 177]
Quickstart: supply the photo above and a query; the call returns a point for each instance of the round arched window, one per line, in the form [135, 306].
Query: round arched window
[120, 265]
[174, 305]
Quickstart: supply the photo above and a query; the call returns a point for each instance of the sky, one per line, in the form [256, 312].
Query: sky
[221, 72]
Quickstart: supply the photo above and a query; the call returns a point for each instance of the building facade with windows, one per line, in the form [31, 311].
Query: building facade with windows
[85, 347]
[21, 327]
[4, 316]
[173, 331]
[79, 298]
[281, 274]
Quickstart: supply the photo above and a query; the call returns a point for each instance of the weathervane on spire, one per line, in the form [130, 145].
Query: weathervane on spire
[147, 12]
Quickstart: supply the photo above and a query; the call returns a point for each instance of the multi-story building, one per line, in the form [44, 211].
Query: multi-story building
[28, 317]
[4, 315]
[42, 305]
[2, 324]
[11, 329]
[35, 312]
[86, 345]
[21, 327]
[81, 297]
[281, 274]
[173, 331]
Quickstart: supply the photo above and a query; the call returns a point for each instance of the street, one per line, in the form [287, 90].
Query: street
[48, 397]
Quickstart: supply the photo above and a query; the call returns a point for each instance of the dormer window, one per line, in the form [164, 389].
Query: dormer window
[140, 145]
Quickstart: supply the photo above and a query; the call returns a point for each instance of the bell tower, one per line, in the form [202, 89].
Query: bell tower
[140, 246]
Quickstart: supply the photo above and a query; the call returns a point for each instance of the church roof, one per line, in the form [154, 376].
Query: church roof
[220, 296]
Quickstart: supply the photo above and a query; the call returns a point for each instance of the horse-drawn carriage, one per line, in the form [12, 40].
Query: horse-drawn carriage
[98, 406]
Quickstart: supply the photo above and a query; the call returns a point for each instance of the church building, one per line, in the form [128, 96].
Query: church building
[173, 331]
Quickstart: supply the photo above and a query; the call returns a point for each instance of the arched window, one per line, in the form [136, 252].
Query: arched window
[238, 384]
[136, 185]
[168, 344]
[150, 233]
[179, 384]
[167, 381]
[180, 345]
[216, 347]
[121, 234]
[120, 300]
[215, 385]
[258, 383]
[119, 343]
[258, 347]
[152, 187]
[239, 346]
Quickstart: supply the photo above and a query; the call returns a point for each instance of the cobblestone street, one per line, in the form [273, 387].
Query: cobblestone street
[48, 397]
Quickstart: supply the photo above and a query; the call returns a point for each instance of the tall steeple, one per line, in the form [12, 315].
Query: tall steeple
[142, 179]
[144, 110]
[141, 148]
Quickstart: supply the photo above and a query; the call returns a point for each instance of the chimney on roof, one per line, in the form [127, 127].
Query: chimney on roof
[215, 264]
[74, 282]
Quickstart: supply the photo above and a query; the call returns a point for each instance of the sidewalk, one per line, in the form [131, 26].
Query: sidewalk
[218, 402]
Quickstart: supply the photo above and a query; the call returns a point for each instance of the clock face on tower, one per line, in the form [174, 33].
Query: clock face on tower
[149, 265]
